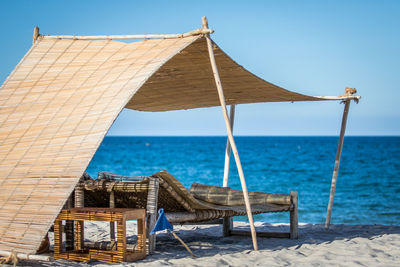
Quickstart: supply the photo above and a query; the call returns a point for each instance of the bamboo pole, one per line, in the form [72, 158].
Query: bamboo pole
[337, 163]
[132, 36]
[69, 226]
[35, 34]
[23, 256]
[228, 148]
[343, 97]
[227, 222]
[151, 209]
[230, 135]
[183, 243]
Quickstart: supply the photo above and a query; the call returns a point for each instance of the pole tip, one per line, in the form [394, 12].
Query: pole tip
[35, 33]
[205, 22]
[350, 91]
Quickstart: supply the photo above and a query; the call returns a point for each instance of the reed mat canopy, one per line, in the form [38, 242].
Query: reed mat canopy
[61, 99]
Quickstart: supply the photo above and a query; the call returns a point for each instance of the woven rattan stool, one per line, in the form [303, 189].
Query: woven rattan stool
[120, 216]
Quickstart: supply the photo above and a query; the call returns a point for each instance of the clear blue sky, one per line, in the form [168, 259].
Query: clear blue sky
[312, 47]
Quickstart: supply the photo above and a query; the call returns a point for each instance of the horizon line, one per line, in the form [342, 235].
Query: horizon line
[252, 135]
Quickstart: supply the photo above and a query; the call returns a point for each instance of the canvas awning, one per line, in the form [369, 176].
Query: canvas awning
[62, 98]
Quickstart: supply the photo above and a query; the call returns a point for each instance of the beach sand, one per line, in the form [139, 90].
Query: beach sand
[341, 245]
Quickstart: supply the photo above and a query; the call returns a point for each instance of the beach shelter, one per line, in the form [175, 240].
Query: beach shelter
[61, 99]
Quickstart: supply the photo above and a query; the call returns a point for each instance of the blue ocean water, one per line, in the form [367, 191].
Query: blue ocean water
[368, 189]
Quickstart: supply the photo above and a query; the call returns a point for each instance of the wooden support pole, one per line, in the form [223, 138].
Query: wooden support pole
[227, 226]
[228, 148]
[227, 223]
[294, 219]
[337, 163]
[141, 236]
[121, 235]
[132, 36]
[35, 34]
[79, 225]
[151, 208]
[230, 135]
[69, 226]
[79, 234]
[58, 229]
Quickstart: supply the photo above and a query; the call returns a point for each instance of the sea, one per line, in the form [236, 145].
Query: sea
[368, 187]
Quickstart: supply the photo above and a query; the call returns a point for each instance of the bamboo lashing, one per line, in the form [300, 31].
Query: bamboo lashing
[230, 136]
[337, 163]
[132, 36]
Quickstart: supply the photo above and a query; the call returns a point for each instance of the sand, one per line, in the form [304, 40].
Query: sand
[341, 245]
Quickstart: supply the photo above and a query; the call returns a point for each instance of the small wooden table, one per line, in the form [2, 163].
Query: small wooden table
[120, 216]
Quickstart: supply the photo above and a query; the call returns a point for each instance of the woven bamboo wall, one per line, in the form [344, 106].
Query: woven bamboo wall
[55, 109]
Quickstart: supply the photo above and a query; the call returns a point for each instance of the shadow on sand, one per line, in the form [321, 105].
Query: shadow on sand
[207, 241]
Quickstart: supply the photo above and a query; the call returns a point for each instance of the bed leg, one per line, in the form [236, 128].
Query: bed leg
[69, 225]
[152, 198]
[294, 224]
[112, 224]
[227, 225]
